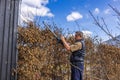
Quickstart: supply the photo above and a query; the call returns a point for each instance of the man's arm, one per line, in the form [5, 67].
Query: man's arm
[67, 46]
[73, 47]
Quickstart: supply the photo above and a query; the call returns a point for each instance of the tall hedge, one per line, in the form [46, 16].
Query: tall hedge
[41, 57]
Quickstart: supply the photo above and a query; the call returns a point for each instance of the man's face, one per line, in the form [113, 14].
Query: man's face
[77, 37]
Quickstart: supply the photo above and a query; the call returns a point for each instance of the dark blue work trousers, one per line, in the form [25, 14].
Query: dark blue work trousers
[77, 71]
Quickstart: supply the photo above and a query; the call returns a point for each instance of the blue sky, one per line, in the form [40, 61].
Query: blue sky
[66, 12]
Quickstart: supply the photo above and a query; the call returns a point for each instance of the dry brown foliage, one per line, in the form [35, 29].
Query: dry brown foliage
[40, 57]
[102, 62]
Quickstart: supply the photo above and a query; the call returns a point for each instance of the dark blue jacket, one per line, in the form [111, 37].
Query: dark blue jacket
[78, 56]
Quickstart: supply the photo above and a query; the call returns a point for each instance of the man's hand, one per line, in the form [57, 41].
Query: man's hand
[65, 43]
[62, 38]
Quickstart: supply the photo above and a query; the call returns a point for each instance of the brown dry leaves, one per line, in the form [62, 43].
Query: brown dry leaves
[102, 62]
[42, 58]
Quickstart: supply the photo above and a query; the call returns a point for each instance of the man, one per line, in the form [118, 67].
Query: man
[77, 57]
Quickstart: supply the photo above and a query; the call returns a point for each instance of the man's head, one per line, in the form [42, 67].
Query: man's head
[78, 35]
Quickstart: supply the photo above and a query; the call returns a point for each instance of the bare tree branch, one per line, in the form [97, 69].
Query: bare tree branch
[118, 21]
[106, 26]
[115, 9]
[101, 26]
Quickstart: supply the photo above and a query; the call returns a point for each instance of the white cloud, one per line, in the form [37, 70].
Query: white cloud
[96, 11]
[87, 34]
[35, 3]
[31, 8]
[107, 11]
[74, 16]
